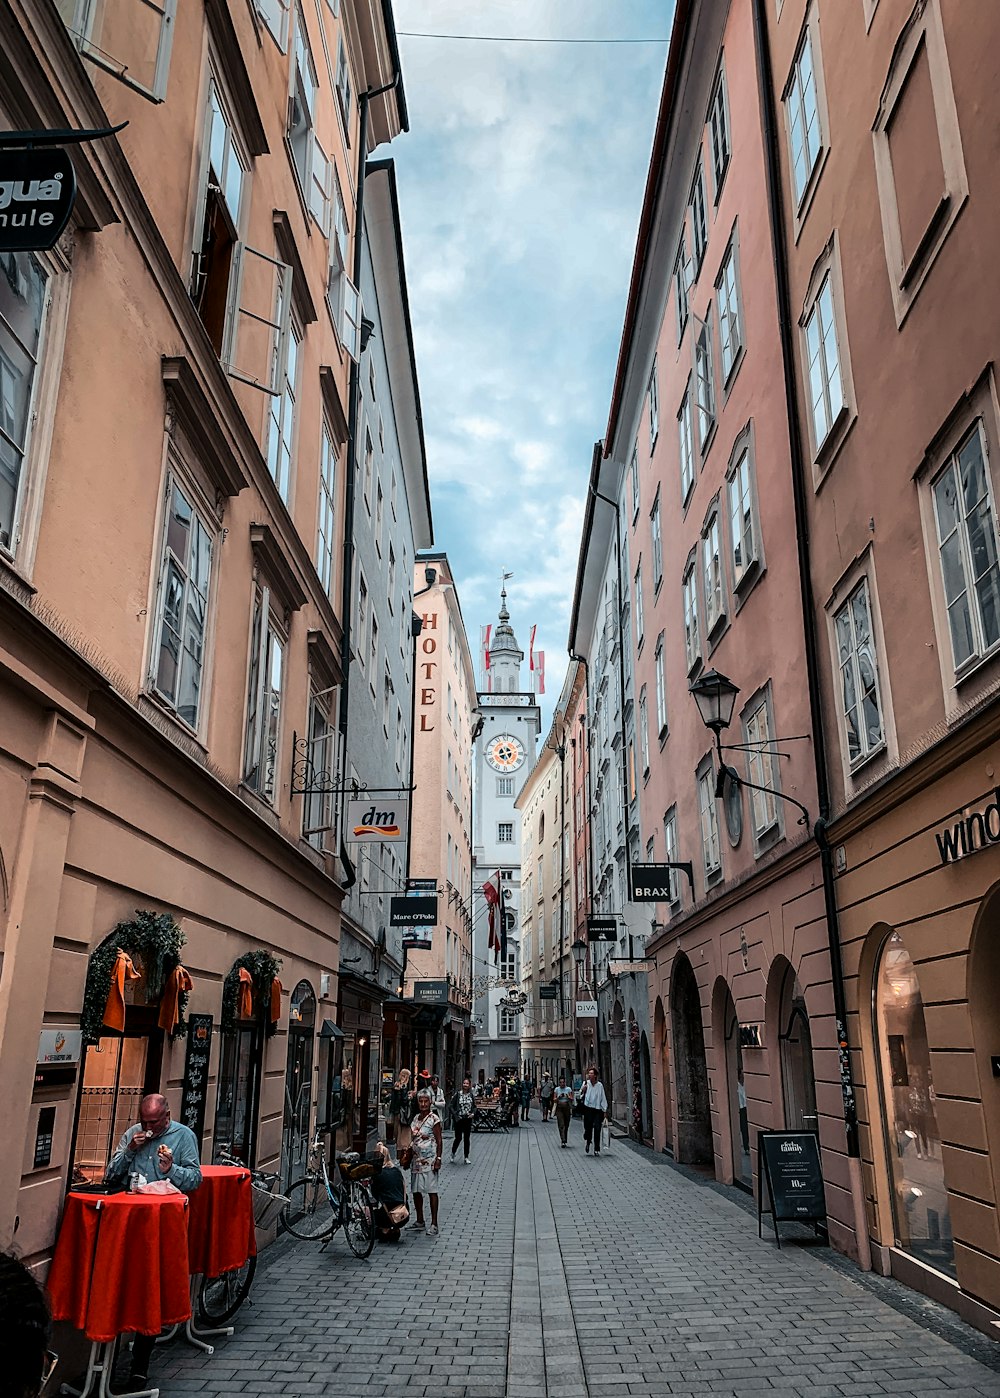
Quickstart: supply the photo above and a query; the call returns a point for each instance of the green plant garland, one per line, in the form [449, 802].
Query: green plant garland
[157, 940]
[263, 968]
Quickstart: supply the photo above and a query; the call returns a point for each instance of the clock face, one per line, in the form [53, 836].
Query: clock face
[504, 753]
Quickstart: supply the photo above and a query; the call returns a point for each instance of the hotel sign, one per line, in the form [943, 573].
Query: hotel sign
[37, 191]
[970, 833]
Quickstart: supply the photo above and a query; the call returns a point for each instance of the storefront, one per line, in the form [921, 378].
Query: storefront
[920, 904]
[360, 1018]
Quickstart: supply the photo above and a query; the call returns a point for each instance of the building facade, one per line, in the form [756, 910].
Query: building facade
[153, 679]
[439, 981]
[503, 755]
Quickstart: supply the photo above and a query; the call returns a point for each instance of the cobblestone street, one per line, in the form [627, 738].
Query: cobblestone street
[557, 1275]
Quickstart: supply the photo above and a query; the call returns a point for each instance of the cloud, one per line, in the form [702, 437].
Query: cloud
[520, 188]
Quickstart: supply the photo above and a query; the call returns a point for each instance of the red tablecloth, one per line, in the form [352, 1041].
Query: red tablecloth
[121, 1264]
[221, 1234]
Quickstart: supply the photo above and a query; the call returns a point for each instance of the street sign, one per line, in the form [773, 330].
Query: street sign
[586, 1009]
[413, 910]
[546, 992]
[378, 818]
[651, 883]
[789, 1164]
[602, 929]
[626, 968]
[37, 190]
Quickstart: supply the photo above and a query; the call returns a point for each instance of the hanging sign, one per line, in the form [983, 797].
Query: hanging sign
[379, 818]
[586, 1009]
[602, 929]
[546, 992]
[413, 910]
[196, 1063]
[37, 190]
[789, 1165]
[651, 883]
[430, 992]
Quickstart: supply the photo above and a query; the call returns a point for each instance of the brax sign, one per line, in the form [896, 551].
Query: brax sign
[37, 190]
[971, 832]
[651, 883]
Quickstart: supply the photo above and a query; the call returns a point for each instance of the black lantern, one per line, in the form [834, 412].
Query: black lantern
[715, 696]
[579, 950]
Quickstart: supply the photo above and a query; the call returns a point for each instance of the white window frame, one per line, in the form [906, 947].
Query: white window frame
[682, 285]
[718, 132]
[661, 688]
[505, 832]
[762, 767]
[81, 17]
[670, 855]
[640, 622]
[643, 732]
[319, 807]
[713, 571]
[170, 561]
[505, 786]
[708, 818]
[634, 481]
[699, 220]
[805, 135]
[851, 655]
[692, 625]
[344, 87]
[343, 299]
[656, 538]
[362, 607]
[266, 639]
[282, 416]
[686, 444]
[43, 360]
[326, 513]
[704, 375]
[653, 391]
[379, 517]
[741, 503]
[824, 379]
[980, 647]
[727, 288]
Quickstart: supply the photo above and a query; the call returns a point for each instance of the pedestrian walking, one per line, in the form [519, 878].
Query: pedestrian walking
[397, 1123]
[545, 1095]
[595, 1104]
[564, 1110]
[427, 1145]
[438, 1100]
[526, 1091]
[463, 1107]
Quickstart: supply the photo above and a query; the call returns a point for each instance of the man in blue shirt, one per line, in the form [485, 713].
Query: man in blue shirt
[158, 1148]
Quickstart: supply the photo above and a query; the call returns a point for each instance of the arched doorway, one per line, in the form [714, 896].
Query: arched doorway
[735, 1085]
[798, 1082]
[298, 1082]
[618, 1089]
[661, 1040]
[694, 1121]
[646, 1080]
[913, 1143]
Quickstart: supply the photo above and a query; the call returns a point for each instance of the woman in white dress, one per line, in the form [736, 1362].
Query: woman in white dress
[426, 1142]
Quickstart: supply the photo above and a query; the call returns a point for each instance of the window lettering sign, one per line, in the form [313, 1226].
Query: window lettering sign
[196, 1066]
[788, 1164]
[37, 191]
[972, 832]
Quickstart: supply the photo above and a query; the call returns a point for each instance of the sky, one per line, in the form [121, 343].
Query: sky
[520, 186]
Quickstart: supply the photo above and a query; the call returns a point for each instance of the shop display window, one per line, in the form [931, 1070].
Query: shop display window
[913, 1142]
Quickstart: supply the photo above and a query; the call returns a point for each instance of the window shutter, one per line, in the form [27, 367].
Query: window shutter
[350, 320]
[255, 343]
[320, 186]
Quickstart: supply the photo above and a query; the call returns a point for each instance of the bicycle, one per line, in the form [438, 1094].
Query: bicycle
[317, 1206]
[219, 1298]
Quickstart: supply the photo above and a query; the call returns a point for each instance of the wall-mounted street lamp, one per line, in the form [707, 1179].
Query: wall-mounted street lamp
[715, 694]
[579, 953]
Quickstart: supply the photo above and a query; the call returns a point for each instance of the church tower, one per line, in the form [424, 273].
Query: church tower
[504, 754]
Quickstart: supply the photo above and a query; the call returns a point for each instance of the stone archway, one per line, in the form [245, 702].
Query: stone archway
[646, 1086]
[787, 1018]
[661, 1041]
[694, 1118]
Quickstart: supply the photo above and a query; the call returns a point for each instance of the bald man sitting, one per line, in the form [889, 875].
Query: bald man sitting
[158, 1148]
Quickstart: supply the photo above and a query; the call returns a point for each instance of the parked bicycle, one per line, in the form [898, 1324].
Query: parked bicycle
[219, 1298]
[318, 1204]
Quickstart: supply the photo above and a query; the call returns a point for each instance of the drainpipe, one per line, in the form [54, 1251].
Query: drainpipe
[785, 322]
[353, 410]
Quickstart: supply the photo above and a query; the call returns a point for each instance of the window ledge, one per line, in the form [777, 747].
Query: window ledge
[150, 699]
[707, 446]
[826, 454]
[664, 734]
[694, 666]
[751, 574]
[657, 586]
[809, 193]
[713, 877]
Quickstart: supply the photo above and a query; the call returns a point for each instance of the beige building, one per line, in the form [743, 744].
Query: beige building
[175, 383]
[439, 981]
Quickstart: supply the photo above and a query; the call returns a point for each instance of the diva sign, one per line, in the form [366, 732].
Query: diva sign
[37, 190]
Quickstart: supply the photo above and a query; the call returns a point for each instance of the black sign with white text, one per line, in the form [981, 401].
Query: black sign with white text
[651, 883]
[37, 190]
[415, 910]
[789, 1165]
[196, 1065]
[602, 929]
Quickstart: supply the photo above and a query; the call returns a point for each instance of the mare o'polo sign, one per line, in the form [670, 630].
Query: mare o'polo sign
[37, 190]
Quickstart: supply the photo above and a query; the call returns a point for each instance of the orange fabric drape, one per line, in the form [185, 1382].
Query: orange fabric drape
[178, 982]
[114, 1008]
[275, 1000]
[245, 1010]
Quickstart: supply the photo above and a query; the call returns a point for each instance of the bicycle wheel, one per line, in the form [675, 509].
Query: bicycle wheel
[221, 1297]
[357, 1216]
[309, 1213]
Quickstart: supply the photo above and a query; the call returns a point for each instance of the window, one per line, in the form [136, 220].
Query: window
[639, 620]
[505, 832]
[391, 579]
[711, 850]
[386, 699]
[670, 852]
[319, 804]
[23, 298]
[505, 786]
[654, 407]
[742, 529]
[633, 471]
[392, 494]
[826, 389]
[343, 298]
[361, 625]
[705, 383]
[718, 125]
[699, 222]
[399, 738]
[686, 445]
[643, 731]
[281, 415]
[267, 656]
[859, 684]
[730, 327]
[373, 651]
[327, 509]
[178, 657]
[344, 94]
[692, 639]
[711, 555]
[215, 251]
[131, 41]
[312, 165]
[379, 516]
[508, 1022]
[761, 765]
[657, 543]
[805, 134]
[369, 470]
[661, 689]
[967, 543]
[682, 281]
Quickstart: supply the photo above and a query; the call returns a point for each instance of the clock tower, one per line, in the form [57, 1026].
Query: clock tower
[503, 756]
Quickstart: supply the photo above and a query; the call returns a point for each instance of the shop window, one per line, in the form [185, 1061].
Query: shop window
[913, 1141]
[296, 1135]
[798, 1083]
[239, 1091]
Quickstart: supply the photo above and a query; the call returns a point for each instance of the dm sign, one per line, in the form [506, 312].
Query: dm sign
[37, 190]
[376, 818]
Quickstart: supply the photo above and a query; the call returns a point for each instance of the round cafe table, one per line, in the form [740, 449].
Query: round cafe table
[221, 1237]
[120, 1266]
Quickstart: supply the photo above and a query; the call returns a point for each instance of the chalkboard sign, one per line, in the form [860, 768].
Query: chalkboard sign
[199, 1051]
[789, 1164]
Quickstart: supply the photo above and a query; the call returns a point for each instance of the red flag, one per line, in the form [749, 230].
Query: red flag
[531, 649]
[540, 671]
[491, 892]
